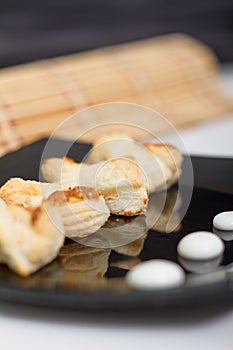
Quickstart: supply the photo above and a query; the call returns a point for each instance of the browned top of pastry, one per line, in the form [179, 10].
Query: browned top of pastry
[36, 214]
[79, 192]
[30, 216]
[68, 160]
[169, 154]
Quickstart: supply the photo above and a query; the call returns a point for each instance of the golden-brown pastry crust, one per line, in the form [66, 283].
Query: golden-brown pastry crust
[26, 193]
[82, 209]
[171, 157]
[21, 192]
[72, 194]
[167, 153]
[29, 194]
[120, 180]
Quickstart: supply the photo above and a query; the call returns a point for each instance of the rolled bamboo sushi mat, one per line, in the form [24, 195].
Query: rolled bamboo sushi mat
[174, 74]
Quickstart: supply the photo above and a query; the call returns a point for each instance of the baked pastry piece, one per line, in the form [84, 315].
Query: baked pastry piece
[110, 146]
[160, 162]
[62, 170]
[21, 192]
[28, 238]
[121, 181]
[82, 209]
[26, 193]
[171, 158]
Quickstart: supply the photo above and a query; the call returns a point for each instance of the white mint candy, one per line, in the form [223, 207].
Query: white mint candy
[200, 245]
[224, 221]
[155, 274]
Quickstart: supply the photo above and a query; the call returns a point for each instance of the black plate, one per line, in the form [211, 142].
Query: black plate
[68, 283]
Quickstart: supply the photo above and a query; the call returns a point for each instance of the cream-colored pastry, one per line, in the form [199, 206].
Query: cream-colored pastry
[82, 209]
[160, 162]
[121, 181]
[61, 170]
[21, 192]
[30, 194]
[170, 156]
[26, 193]
[28, 238]
[123, 186]
[110, 146]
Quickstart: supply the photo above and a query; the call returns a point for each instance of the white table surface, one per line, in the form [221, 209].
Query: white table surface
[206, 327]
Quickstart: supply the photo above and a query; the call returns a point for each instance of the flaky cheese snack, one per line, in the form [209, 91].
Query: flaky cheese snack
[160, 162]
[29, 238]
[82, 209]
[27, 193]
[121, 181]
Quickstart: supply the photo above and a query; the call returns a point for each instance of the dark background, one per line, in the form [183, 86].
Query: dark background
[31, 30]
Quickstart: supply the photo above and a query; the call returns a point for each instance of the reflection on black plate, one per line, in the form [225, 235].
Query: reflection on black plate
[92, 277]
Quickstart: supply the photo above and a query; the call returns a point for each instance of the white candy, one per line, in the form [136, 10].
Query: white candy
[224, 221]
[200, 245]
[155, 274]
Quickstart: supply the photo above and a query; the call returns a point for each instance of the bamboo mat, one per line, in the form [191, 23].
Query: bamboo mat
[173, 74]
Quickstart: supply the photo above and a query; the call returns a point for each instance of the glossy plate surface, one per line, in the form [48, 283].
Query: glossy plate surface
[93, 278]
